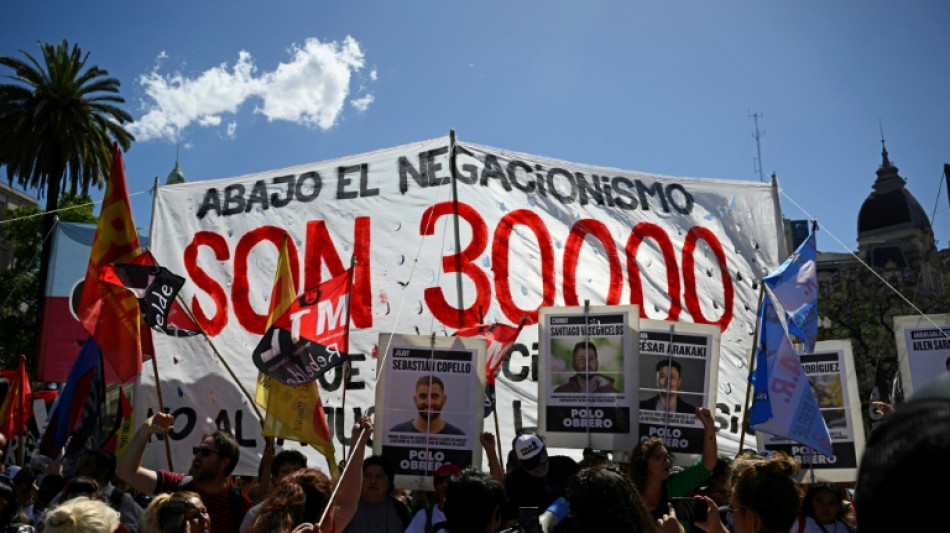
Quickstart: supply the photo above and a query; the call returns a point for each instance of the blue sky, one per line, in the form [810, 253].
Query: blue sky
[664, 87]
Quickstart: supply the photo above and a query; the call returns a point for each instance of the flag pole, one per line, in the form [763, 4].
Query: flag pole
[458, 239]
[161, 408]
[346, 377]
[748, 386]
[227, 367]
[158, 381]
[336, 487]
[184, 305]
[346, 364]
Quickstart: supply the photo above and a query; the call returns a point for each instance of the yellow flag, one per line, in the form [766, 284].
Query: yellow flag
[294, 413]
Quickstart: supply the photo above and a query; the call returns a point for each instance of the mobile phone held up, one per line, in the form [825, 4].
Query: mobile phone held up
[689, 509]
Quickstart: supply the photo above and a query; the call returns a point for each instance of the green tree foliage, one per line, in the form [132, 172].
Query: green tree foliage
[19, 286]
[861, 307]
[58, 122]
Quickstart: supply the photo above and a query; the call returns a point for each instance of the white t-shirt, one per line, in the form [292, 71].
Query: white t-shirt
[418, 523]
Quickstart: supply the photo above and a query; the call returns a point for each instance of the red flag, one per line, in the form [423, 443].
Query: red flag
[293, 412]
[311, 336]
[109, 313]
[17, 407]
[500, 337]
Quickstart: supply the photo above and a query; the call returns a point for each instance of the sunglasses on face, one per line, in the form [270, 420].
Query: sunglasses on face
[662, 457]
[204, 452]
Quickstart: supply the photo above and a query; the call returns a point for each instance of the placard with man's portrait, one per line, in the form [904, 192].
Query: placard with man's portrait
[587, 382]
[429, 397]
[677, 372]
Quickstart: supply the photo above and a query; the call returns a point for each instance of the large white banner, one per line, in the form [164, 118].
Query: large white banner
[532, 231]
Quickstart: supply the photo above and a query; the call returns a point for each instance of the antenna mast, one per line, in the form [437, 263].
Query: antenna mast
[757, 161]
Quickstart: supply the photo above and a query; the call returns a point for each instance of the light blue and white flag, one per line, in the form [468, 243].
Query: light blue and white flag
[795, 285]
[784, 402]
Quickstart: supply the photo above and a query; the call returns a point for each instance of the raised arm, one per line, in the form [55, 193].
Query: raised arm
[710, 451]
[265, 483]
[487, 439]
[351, 483]
[129, 467]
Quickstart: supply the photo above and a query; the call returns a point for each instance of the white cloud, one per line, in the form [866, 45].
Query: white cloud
[373, 75]
[362, 104]
[309, 90]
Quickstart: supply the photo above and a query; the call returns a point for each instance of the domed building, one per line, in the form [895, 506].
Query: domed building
[895, 239]
[175, 176]
[894, 232]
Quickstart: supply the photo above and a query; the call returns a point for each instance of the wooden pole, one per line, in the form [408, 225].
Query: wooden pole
[748, 386]
[158, 381]
[250, 399]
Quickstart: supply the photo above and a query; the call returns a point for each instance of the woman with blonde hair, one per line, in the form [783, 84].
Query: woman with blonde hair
[81, 515]
[149, 522]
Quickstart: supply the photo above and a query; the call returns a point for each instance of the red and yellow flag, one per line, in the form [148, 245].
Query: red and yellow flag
[17, 407]
[109, 313]
[294, 413]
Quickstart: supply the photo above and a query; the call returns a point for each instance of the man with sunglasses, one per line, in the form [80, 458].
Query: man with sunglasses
[214, 460]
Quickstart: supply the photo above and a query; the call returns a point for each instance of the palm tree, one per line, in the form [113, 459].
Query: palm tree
[58, 123]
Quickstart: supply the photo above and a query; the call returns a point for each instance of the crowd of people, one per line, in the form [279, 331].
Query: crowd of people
[754, 492]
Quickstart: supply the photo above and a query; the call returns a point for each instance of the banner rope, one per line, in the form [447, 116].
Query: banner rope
[402, 300]
[62, 209]
[943, 331]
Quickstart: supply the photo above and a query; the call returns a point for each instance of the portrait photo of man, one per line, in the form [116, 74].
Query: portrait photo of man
[668, 380]
[585, 364]
[429, 399]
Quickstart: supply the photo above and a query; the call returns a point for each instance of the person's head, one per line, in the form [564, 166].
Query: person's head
[300, 497]
[80, 487]
[440, 479]
[719, 487]
[149, 522]
[24, 481]
[10, 509]
[215, 458]
[668, 374]
[81, 515]
[473, 502]
[823, 502]
[285, 463]
[532, 454]
[429, 397]
[766, 497]
[377, 479]
[603, 500]
[184, 512]
[584, 357]
[594, 458]
[97, 464]
[50, 486]
[909, 448]
[650, 462]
